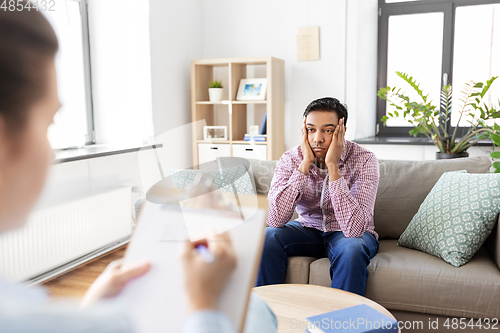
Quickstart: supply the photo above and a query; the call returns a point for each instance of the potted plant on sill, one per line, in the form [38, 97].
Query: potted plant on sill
[429, 120]
[215, 91]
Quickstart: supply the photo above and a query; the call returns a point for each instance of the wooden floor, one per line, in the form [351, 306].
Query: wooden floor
[75, 283]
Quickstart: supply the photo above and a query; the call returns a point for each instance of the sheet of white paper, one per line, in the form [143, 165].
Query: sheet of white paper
[157, 300]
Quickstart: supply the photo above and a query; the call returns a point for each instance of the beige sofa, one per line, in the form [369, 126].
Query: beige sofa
[413, 285]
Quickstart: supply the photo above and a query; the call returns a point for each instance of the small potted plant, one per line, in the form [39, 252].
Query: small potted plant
[433, 122]
[215, 91]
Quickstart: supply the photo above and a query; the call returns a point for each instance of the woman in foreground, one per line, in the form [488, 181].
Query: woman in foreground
[28, 103]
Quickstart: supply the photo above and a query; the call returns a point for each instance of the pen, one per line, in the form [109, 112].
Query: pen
[204, 253]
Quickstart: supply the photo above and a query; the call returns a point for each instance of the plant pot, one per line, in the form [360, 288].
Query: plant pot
[444, 156]
[215, 94]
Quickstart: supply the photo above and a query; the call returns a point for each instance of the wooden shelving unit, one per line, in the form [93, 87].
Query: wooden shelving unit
[237, 115]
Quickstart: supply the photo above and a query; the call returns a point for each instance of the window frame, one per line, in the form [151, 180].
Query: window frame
[447, 7]
[90, 136]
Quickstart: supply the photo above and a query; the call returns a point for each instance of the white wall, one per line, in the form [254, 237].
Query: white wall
[269, 28]
[195, 29]
[416, 153]
[176, 39]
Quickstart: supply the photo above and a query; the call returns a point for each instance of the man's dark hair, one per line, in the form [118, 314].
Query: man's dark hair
[328, 104]
[27, 44]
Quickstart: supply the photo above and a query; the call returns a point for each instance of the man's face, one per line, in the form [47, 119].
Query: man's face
[320, 128]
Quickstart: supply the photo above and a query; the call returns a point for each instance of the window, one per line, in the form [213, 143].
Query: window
[476, 54]
[73, 124]
[432, 40]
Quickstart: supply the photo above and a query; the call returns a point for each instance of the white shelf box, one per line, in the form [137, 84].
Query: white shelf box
[210, 151]
[258, 152]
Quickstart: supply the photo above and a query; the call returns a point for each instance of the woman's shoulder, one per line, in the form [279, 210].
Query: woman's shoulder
[16, 294]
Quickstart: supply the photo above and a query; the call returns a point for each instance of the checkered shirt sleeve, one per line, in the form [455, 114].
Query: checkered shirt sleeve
[354, 207]
[286, 190]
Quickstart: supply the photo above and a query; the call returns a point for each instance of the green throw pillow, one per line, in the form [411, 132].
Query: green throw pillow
[234, 179]
[456, 217]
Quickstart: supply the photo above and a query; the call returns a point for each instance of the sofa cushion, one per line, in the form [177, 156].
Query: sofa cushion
[456, 217]
[410, 280]
[298, 270]
[403, 186]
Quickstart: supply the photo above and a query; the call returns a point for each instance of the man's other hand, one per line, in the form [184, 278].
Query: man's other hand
[335, 151]
[308, 156]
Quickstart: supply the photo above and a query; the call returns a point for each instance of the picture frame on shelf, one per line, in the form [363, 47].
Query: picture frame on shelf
[254, 130]
[212, 133]
[252, 90]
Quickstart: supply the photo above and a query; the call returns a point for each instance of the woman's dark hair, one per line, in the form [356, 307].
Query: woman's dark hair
[27, 44]
[328, 104]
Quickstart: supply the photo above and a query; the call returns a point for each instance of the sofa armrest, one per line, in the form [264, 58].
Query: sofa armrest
[493, 245]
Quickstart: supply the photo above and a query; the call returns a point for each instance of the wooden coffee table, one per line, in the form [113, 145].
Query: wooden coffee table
[293, 303]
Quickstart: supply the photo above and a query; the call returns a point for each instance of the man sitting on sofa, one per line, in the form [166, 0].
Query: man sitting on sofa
[332, 183]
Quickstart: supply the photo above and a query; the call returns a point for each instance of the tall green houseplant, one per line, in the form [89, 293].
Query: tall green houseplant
[434, 122]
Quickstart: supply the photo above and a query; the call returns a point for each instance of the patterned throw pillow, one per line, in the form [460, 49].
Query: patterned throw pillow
[456, 217]
[227, 180]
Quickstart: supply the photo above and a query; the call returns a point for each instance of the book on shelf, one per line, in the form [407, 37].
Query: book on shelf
[263, 125]
[256, 138]
[355, 319]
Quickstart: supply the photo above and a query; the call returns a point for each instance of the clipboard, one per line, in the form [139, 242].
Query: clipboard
[157, 301]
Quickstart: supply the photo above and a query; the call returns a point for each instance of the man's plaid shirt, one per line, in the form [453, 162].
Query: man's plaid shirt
[345, 205]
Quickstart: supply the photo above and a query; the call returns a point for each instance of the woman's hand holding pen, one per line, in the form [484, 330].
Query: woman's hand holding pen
[204, 278]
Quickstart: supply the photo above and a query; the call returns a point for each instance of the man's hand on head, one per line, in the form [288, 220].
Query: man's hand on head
[308, 156]
[335, 151]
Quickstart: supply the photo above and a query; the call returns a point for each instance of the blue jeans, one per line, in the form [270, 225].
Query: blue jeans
[349, 257]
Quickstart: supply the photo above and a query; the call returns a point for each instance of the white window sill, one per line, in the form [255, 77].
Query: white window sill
[94, 151]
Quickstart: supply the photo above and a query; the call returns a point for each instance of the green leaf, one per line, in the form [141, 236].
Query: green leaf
[497, 171]
[413, 83]
[215, 84]
[414, 131]
[495, 138]
[496, 165]
[497, 127]
[488, 85]
[495, 154]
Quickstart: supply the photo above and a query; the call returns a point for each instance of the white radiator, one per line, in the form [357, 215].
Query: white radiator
[58, 238]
